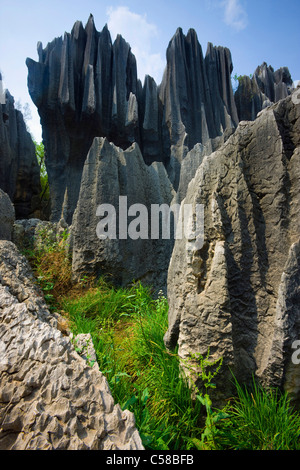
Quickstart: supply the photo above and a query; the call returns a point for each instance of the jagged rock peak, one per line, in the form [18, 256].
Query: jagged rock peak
[196, 92]
[265, 87]
[238, 295]
[77, 29]
[84, 87]
[19, 169]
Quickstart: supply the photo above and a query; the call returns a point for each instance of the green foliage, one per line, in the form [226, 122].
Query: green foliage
[237, 80]
[40, 154]
[103, 303]
[208, 370]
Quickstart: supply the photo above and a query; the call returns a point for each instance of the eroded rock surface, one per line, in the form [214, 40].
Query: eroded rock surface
[197, 96]
[19, 169]
[50, 397]
[265, 87]
[7, 216]
[85, 86]
[239, 295]
[110, 173]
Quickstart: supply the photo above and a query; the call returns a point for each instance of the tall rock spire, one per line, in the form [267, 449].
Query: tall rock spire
[196, 93]
[85, 86]
[82, 86]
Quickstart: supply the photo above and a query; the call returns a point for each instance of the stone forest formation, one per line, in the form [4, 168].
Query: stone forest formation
[188, 140]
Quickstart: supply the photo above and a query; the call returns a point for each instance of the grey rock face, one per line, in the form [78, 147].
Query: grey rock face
[109, 172]
[196, 93]
[17, 276]
[84, 87]
[239, 295]
[24, 232]
[19, 169]
[39, 234]
[50, 397]
[276, 85]
[7, 216]
[265, 87]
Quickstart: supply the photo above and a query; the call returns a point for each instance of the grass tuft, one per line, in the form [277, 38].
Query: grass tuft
[261, 419]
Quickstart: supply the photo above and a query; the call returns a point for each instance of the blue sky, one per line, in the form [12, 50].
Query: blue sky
[254, 30]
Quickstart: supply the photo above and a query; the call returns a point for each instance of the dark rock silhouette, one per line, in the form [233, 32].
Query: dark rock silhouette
[84, 87]
[19, 169]
[265, 87]
[7, 216]
[196, 94]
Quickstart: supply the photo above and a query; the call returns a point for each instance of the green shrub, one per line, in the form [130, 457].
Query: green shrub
[40, 154]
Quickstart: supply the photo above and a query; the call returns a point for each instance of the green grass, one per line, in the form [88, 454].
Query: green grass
[145, 378]
[261, 419]
[127, 327]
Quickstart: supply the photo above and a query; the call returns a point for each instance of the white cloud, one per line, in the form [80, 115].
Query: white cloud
[136, 30]
[235, 14]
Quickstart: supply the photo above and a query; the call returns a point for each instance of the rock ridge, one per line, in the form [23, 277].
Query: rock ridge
[50, 397]
[85, 86]
[239, 295]
[264, 88]
[19, 169]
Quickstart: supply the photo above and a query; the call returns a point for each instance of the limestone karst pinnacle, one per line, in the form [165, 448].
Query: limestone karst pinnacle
[238, 296]
[19, 169]
[266, 86]
[187, 140]
[85, 86]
